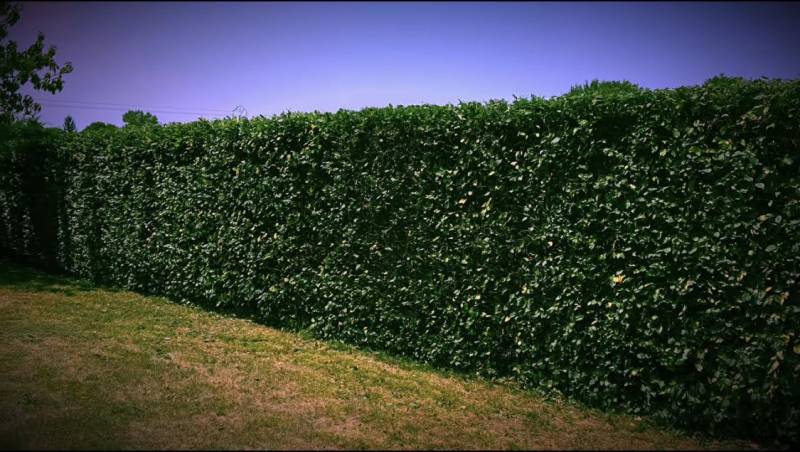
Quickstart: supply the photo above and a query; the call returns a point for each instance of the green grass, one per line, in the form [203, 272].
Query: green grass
[84, 367]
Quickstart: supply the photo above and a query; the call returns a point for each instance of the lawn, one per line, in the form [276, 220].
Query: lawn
[86, 367]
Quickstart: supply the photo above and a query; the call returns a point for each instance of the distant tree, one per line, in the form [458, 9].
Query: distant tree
[98, 126]
[69, 124]
[138, 118]
[17, 68]
[603, 88]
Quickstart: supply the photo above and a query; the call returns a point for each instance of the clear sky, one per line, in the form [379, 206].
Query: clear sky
[208, 57]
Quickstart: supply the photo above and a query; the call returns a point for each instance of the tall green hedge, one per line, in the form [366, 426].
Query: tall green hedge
[631, 249]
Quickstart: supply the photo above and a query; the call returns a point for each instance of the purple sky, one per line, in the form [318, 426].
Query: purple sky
[209, 57]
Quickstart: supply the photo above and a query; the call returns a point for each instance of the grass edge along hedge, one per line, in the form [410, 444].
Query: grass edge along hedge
[632, 249]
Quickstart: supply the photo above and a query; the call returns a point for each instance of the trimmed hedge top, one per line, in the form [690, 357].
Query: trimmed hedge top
[631, 249]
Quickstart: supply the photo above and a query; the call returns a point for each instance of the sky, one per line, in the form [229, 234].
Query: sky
[183, 60]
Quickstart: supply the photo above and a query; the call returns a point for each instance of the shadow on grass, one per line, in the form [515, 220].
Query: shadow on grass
[27, 278]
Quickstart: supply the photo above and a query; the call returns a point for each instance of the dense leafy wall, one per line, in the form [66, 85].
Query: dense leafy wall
[634, 249]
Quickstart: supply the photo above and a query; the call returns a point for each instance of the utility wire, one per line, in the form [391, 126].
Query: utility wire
[38, 99]
[103, 107]
[47, 104]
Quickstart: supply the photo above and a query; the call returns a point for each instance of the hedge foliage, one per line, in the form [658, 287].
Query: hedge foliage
[631, 249]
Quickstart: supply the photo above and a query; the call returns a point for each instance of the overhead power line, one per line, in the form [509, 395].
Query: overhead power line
[85, 107]
[140, 106]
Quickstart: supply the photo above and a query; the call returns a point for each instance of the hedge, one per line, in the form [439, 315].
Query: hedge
[635, 250]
